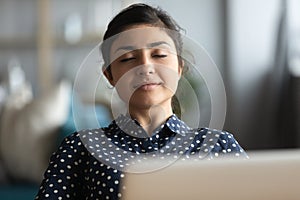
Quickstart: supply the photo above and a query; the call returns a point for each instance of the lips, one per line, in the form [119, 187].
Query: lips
[147, 85]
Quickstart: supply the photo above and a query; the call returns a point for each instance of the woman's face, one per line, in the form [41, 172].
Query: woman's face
[145, 68]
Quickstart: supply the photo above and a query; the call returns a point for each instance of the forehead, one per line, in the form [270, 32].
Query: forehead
[141, 36]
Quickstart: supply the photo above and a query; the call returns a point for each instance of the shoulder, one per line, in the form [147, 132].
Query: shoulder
[218, 142]
[71, 148]
[71, 141]
[76, 139]
[212, 134]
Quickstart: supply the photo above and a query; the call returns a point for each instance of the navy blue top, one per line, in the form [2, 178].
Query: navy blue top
[90, 164]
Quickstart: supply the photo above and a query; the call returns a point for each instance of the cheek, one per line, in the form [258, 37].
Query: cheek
[122, 82]
[170, 77]
[117, 72]
[172, 84]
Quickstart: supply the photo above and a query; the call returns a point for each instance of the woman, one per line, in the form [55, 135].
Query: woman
[141, 50]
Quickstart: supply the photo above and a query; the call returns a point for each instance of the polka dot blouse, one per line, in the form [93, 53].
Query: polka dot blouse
[90, 164]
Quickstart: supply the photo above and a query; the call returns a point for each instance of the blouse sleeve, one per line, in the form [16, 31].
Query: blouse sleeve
[62, 177]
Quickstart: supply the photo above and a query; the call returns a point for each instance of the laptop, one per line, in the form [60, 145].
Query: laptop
[266, 175]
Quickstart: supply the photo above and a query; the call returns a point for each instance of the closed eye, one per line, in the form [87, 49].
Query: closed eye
[160, 56]
[127, 59]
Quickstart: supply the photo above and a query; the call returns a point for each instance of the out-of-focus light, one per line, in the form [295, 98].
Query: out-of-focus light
[73, 28]
[16, 75]
[294, 66]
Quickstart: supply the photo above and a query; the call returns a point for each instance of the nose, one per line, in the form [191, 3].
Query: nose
[146, 66]
[145, 70]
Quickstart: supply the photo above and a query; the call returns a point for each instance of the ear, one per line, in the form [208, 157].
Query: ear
[180, 67]
[108, 75]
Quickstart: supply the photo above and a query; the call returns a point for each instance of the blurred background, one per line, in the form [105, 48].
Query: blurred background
[255, 44]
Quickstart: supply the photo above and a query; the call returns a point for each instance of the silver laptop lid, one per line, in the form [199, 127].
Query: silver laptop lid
[273, 175]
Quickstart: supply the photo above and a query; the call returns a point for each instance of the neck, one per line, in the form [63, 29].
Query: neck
[151, 118]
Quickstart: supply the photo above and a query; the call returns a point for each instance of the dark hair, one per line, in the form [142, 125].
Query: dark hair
[140, 14]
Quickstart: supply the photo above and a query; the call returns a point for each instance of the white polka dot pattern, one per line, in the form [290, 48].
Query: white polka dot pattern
[89, 164]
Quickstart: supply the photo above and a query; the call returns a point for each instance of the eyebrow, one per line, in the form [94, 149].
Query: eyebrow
[154, 44]
[150, 45]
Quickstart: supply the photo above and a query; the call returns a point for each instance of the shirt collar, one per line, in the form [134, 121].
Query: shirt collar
[132, 127]
[178, 126]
